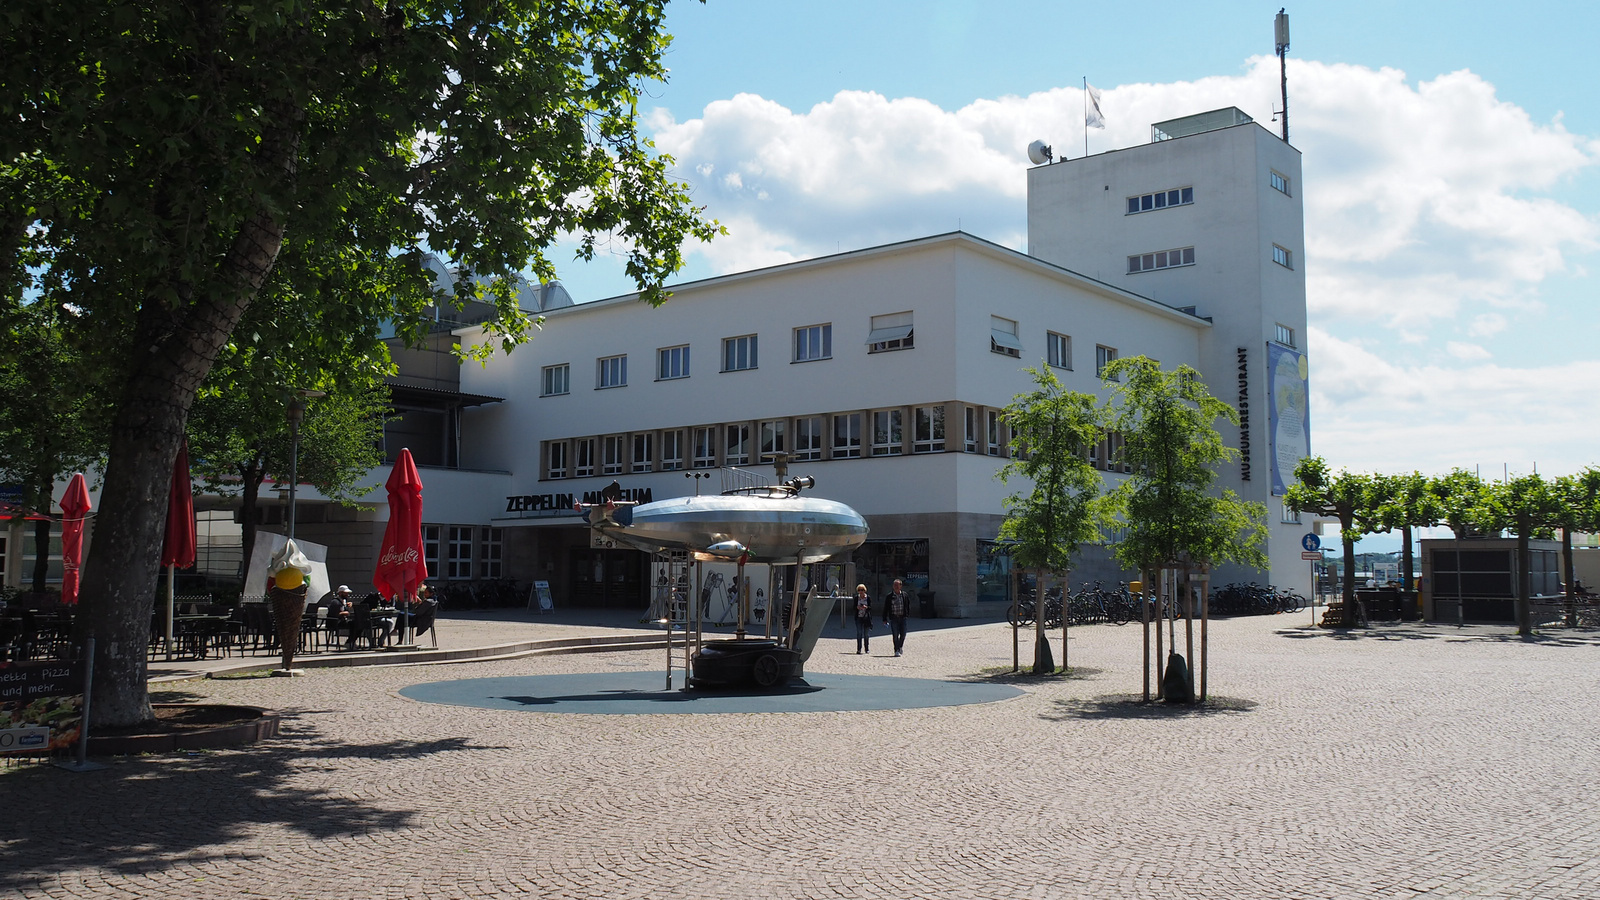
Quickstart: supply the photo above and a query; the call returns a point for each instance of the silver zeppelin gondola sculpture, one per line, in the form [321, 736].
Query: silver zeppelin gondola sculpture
[765, 523]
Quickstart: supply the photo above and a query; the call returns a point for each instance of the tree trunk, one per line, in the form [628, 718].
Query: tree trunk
[1351, 611]
[1408, 564]
[249, 502]
[1572, 580]
[177, 350]
[1524, 581]
[41, 554]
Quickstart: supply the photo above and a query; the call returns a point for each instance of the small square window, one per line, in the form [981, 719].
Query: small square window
[813, 342]
[1279, 183]
[1058, 348]
[1003, 337]
[611, 371]
[672, 362]
[1284, 335]
[739, 353]
[557, 380]
[1282, 256]
[1103, 356]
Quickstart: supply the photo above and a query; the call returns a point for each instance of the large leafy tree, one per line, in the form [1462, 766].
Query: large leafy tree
[1052, 429]
[1354, 499]
[1406, 504]
[1527, 507]
[163, 162]
[1456, 498]
[1577, 509]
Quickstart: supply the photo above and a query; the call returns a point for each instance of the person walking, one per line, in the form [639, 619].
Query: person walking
[895, 607]
[863, 619]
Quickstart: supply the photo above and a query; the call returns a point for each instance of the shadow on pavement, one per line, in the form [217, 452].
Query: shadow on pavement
[1134, 706]
[152, 814]
[1553, 637]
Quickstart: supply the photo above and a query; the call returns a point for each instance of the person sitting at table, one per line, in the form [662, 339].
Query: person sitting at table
[363, 624]
[340, 606]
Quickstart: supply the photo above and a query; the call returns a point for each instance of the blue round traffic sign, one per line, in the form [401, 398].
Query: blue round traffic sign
[1311, 542]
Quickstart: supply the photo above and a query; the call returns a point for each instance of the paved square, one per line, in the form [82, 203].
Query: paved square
[1403, 762]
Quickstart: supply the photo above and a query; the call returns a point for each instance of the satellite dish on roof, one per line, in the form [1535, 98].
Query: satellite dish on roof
[1039, 153]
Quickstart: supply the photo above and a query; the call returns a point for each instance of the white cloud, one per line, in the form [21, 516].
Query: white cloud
[1467, 351]
[1434, 215]
[1372, 414]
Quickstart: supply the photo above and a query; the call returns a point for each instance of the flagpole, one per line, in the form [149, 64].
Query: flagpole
[1085, 115]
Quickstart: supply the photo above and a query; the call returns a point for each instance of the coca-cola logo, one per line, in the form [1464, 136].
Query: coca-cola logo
[399, 556]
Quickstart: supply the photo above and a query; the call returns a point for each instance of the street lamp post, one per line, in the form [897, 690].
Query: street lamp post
[297, 414]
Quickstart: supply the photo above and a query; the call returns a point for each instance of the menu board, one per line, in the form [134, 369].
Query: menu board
[539, 599]
[41, 705]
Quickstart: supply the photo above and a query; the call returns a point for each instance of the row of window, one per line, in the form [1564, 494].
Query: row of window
[740, 353]
[813, 342]
[452, 551]
[1184, 256]
[1184, 196]
[846, 435]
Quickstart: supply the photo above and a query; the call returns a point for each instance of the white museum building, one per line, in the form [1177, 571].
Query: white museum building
[880, 372]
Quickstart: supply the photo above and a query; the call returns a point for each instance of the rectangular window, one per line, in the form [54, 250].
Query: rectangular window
[611, 448]
[813, 342]
[739, 353]
[1279, 183]
[886, 432]
[1285, 335]
[459, 564]
[890, 332]
[672, 449]
[555, 459]
[583, 456]
[738, 446]
[972, 429]
[490, 549]
[705, 447]
[1102, 356]
[672, 362]
[1290, 516]
[927, 434]
[1003, 337]
[1160, 200]
[1282, 256]
[808, 438]
[643, 452]
[847, 436]
[1058, 348]
[994, 432]
[557, 380]
[611, 371]
[1165, 259]
[430, 548]
[772, 438]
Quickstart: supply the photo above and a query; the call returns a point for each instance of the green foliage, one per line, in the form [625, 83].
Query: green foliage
[1577, 501]
[1456, 499]
[1166, 419]
[53, 421]
[1054, 429]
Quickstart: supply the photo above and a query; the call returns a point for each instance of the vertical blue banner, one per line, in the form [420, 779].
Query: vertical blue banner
[1288, 412]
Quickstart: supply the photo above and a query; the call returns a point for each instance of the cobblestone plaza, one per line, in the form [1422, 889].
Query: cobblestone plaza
[1399, 762]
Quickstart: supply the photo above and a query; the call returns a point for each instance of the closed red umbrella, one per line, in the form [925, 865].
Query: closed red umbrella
[74, 509]
[401, 567]
[178, 545]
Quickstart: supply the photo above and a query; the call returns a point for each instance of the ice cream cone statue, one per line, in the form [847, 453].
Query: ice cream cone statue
[286, 588]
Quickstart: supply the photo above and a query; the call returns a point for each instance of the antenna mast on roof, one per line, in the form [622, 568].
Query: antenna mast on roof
[1280, 30]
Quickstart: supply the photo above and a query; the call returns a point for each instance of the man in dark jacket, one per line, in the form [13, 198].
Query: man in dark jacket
[895, 607]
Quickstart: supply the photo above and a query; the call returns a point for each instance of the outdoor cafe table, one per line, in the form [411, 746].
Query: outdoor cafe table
[192, 634]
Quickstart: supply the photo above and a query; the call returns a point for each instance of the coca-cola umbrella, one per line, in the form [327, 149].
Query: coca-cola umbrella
[74, 510]
[178, 545]
[401, 568]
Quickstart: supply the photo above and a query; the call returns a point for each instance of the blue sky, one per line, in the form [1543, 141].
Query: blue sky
[1451, 179]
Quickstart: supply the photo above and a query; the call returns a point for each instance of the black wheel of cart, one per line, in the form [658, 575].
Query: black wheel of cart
[765, 671]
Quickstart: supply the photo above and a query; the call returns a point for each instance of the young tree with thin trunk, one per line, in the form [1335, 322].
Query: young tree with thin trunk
[1052, 429]
[1526, 507]
[162, 165]
[1172, 514]
[1577, 510]
[1407, 505]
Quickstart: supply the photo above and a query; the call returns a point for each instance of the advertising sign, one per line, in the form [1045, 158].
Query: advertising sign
[1288, 413]
[41, 705]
